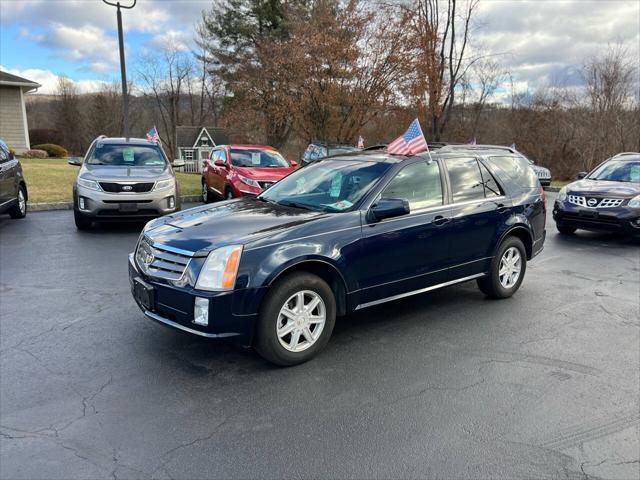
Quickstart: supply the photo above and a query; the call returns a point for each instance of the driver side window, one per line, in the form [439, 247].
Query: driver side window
[418, 183]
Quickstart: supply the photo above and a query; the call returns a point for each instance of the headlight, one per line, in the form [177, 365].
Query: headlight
[90, 184]
[635, 202]
[249, 181]
[220, 269]
[562, 194]
[164, 184]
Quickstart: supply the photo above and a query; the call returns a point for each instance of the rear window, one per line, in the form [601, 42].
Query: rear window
[466, 179]
[517, 169]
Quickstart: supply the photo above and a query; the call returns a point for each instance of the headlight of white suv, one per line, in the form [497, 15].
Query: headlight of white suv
[635, 202]
[249, 181]
[90, 184]
[164, 184]
[220, 269]
[562, 194]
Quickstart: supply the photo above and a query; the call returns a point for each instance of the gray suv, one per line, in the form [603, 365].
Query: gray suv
[123, 179]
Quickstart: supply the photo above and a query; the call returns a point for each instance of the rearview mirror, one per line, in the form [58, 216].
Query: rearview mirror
[75, 161]
[219, 163]
[582, 175]
[389, 208]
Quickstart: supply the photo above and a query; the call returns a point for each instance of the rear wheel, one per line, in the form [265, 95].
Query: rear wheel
[207, 197]
[82, 221]
[507, 270]
[19, 210]
[565, 229]
[295, 320]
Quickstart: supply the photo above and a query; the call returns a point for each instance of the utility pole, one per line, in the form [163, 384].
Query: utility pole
[123, 68]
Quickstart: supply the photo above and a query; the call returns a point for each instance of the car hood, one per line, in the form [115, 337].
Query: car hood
[241, 221]
[265, 174]
[538, 168]
[123, 173]
[602, 188]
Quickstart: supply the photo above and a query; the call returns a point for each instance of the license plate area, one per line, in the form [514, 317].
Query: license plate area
[588, 213]
[128, 207]
[144, 293]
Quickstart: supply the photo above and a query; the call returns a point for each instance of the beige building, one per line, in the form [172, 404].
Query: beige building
[13, 115]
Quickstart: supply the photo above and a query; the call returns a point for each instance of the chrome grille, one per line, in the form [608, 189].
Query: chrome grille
[543, 174]
[593, 202]
[160, 261]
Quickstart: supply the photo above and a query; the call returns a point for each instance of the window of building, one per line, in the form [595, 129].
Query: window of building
[188, 154]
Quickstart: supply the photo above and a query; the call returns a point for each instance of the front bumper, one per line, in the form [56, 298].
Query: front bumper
[619, 219]
[173, 307]
[104, 205]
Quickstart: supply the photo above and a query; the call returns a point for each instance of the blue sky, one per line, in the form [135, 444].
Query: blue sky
[538, 41]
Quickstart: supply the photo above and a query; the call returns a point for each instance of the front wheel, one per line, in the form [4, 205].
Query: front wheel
[82, 221]
[228, 194]
[19, 210]
[207, 197]
[565, 229]
[507, 270]
[295, 320]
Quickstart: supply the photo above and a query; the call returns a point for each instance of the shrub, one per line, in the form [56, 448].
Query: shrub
[55, 151]
[34, 153]
[12, 151]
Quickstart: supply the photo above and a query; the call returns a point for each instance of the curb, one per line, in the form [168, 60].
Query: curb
[47, 207]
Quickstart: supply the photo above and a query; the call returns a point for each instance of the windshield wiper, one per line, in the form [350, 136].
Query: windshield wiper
[287, 203]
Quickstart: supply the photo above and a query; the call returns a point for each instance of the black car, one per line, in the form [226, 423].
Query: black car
[13, 187]
[607, 199]
[317, 150]
[340, 235]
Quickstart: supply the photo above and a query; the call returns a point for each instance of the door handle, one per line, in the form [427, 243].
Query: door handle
[440, 220]
[502, 208]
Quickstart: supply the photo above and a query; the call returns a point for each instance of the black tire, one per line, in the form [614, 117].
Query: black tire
[566, 229]
[207, 196]
[19, 210]
[228, 194]
[490, 285]
[267, 343]
[82, 221]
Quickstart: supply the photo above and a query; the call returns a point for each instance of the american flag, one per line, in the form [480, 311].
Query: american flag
[473, 141]
[360, 142]
[410, 142]
[152, 135]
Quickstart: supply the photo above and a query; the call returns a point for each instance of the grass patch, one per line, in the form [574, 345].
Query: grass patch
[560, 183]
[51, 180]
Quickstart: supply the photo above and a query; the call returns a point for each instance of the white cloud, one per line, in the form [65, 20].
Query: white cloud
[82, 44]
[49, 80]
[173, 38]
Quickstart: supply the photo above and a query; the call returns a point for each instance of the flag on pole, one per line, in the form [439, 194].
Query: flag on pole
[473, 142]
[152, 135]
[410, 142]
[513, 145]
[360, 142]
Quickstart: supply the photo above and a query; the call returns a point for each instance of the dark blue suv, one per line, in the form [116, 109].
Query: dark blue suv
[339, 235]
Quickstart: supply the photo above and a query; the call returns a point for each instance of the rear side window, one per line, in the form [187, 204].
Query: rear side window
[517, 169]
[466, 180]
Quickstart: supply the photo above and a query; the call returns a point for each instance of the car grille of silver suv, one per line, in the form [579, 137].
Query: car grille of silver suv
[115, 187]
[592, 202]
[160, 261]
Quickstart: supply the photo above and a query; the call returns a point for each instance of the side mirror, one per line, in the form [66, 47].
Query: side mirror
[75, 161]
[220, 163]
[582, 175]
[178, 163]
[389, 208]
[293, 163]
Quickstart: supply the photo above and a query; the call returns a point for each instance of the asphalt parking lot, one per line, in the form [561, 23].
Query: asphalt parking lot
[448, 384]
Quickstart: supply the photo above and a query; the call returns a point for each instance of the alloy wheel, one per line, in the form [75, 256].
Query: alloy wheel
[301, 321]
[22, 204]
[510, 266]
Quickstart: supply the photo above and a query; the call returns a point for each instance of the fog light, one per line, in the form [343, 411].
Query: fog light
[81, 203]
[201, 311]
[172, 203]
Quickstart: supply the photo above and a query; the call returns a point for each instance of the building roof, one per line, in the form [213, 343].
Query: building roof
[186, 136]
[16, 81]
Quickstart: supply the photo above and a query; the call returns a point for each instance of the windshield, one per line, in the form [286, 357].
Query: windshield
[617, 171]
[126, 155]
[257, 158]
[327, 185]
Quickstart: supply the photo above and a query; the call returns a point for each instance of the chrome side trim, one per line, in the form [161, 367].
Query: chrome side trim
[416, 292]
[169, 323]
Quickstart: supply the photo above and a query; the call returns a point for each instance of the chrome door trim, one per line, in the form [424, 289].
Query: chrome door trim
[416, 292]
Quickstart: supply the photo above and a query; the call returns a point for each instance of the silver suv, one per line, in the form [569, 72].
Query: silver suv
[123, 179]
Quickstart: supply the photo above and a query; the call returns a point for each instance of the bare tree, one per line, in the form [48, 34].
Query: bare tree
[68, 115]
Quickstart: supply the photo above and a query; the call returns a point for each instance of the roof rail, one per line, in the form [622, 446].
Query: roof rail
[624, 154]
[478, 147]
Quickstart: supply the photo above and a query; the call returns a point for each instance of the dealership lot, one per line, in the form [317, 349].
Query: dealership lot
[447, 384]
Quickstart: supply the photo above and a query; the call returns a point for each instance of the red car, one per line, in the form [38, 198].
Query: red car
[236, 170]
